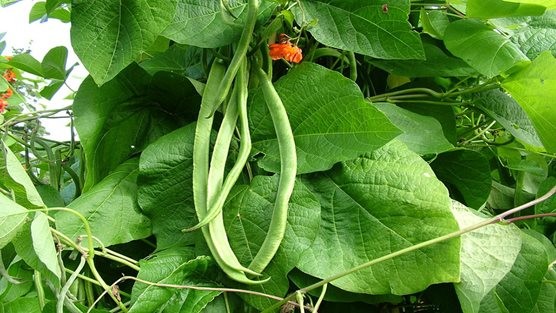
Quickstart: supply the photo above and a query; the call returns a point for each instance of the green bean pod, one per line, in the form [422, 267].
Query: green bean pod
[288, 170]
[239, 107]
[215, 235]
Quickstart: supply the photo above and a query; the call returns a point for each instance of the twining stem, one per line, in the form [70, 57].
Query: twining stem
[201, 288]
[420, 92]
[498, 218]
[90, 252]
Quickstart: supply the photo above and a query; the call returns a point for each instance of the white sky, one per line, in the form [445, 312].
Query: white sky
[40, 38]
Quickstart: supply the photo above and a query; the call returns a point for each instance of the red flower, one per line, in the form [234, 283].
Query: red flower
[9, 75]
[286, 50]
[3, 105]
[8, 93]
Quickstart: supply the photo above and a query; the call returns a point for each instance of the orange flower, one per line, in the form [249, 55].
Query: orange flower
[8, 93]
[9, 75]
[286, 50]
[3, 105]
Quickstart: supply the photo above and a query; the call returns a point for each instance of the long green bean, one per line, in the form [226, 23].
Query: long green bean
[239, 54]
[215, 234]
[240, 92]
[288, 170]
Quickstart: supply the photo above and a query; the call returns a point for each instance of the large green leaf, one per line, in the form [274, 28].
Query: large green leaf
[14, 177]
[165, 187]
[362, 26]
[421, 134]
[437, 63]
[12, 218]
[204, 23]
[110, 208]
[35, 245]
[536, 34]
[487, 255]
[330, 120]
[468, 172]
[377, 204]
[247, 220]
[172, 267]
[506, 111]
[108, 35]
[486, 50]
[519, 290]
[119, 119]
[501, 8]
[533, 87]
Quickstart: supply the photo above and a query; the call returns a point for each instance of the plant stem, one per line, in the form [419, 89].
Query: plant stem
[492, 220]
[528, 217]
[352, 66]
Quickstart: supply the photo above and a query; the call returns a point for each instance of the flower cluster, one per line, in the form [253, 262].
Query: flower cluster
[9, 76]
[286, 50]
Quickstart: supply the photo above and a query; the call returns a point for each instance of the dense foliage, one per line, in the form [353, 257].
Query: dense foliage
[259, 155]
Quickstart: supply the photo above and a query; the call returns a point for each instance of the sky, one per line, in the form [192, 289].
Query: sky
[40, 38]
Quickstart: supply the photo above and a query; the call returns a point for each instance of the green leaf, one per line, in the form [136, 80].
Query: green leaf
[12, 218]
[375, 205]
[178, 59]
[487, 255]
[536, 34]
[549, 4]
[437, 63]
[468, 171]
[15, 178]
[165, 187]
[362, 27]
[35, 245]
[20, 271]
[119, 119]
[506, 111]
[49, 91]
[204, 23]
[246, 216]
[421, 134]
[530, 87]
[172, 267]
[335, 294]
[546, 302]
[111, 209]
[27, 63]
[54, 63]
[549, 205]
[330, 120]
[434, 22]
[37, 12]
[486, 50]
[26, 304]
[501, 8]
[519, 290]
[108, 35]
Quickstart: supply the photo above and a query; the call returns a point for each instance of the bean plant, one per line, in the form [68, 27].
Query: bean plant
[283, 156]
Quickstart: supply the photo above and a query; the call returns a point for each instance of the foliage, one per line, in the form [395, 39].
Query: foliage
[421, 135]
